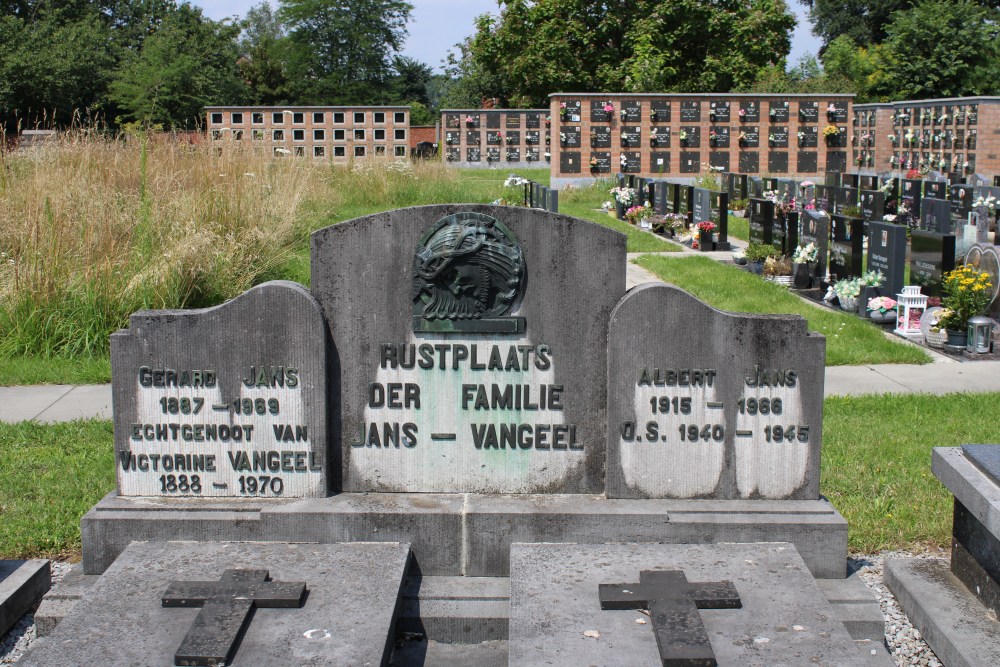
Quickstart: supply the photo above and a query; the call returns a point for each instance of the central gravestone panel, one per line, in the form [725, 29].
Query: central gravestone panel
[737, 416]
[464, 362]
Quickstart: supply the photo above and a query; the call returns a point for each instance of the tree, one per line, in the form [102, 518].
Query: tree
[942, 48]
[410, 81]
[421, 115]
[342, 52]
[263, 52]
[536, 48]
[864, 21]
[51, 64]
[187, 63]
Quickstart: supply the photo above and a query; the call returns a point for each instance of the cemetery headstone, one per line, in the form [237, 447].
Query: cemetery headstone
[742, 419]
[847, 248]
[761, 221]
[197, 416]
[961, 197]
[935, 215]
[932, 254]
[887, 254]
[815, 228]
[872, 205]
[462, 380]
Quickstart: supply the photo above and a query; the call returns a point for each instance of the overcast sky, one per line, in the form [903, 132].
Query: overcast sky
[437, 25]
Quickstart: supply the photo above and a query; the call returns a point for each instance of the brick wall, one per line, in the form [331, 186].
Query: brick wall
[955, 130]
[487, 138]
[337, 133]
[422, 133]
[582, 134]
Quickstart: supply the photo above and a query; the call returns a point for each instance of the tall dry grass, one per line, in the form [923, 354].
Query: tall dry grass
[93, 228]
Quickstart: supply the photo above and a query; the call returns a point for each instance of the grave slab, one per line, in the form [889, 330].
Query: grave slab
[348, 616]
[22, 585]
[986, 458]
[971, 488]
[957, 627]
[784, 618]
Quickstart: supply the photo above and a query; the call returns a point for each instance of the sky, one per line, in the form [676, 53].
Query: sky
[437, 25]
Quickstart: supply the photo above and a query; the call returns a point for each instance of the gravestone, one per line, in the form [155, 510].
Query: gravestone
[743, 419]
[984, 257]
[783, 618]
[935, 216]
[463, 379]
[761, 221]
[931, 256]
[847, 248]
[887, 254]
[961, 197]
[197, 416]
[872, 205]
[701, 205]
[348, 616]
[815, 228]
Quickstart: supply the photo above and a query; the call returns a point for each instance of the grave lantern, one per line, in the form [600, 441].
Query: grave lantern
[910, 306]
[980, 330]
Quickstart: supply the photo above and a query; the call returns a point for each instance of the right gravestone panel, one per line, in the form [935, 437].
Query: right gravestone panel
[738, 415]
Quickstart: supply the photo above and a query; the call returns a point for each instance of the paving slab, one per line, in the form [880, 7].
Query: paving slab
[347, 618]
[556, 616]
[857, 380]
[19, 404]
[957, 627]
[979, 376]
[80, 402]
[22, 585]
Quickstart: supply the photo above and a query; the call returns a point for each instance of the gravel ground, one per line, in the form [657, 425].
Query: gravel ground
[907, 646]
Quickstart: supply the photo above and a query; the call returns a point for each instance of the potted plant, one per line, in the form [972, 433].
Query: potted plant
[831, 111]
[756, 253]
[847, 291]
[882, 309]
[705, 229]
[778, 270]
[636, 215]
[713, 138]
[966, 294]
[624, 198]
[804, 264]
[743, 114]
[738, 207]
[740, 257]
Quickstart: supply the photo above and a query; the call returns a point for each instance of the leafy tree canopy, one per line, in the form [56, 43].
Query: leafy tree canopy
[536, 48]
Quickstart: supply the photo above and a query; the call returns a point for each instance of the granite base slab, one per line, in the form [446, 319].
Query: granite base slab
[348, 616]
[958, 628]
[556, 616]
[455, 534]
[22, 585]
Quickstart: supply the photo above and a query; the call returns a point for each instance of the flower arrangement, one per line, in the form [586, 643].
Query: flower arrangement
[882, 304]
[805, 254]
[777, 266]
[515, 180]
[548, 121]
[636, 214]
[469, 121]
[706, 226]
[912, 175]
[743, 113]
[562, 138]
[830, 108]
[609, 108]
[654, 115]
[593, 162]
[909, 137]
[683, 135]
[624, 196]
[623, 161]
[989, 202]
[966, 294]
[831, 131]
[743, 138]
[740, 256]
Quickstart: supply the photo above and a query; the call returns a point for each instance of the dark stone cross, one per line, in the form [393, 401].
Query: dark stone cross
[673, 603]
[227, 607]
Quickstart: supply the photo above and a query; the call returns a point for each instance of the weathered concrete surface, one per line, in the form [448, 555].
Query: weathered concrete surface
[784, 619]
[267, 350]
[452, 534]
[363, 276]
[690, 396]
[348, 616]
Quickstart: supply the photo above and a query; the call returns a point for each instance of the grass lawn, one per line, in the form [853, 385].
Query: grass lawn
[850, 340]
[875, 471]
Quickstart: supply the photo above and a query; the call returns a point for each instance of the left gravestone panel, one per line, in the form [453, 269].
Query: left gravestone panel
[471, 345]
[229, 401]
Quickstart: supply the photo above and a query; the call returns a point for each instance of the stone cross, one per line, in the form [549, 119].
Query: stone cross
[227, 607]
[673, 603]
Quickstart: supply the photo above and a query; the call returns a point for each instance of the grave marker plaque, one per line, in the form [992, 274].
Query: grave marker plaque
[464, 379]
[569, 136]
[598, 114]
[961, 197]
[808, 112]
[777, 137]
[659, 136]
[749, 136]
[196, 416]
[719, 160]
[493, 120]
[808, 137]
[659, 111]
[749, 112]
[740, 413]
[572, 111]
[777, 162]
[887, 254]
[836, 160]
[912, 193]
[631, 111]
[690, 162]
[719, 137]
[718, 112]
[631, 162]
[532, 120]
[931, 256]
[600, 162]
[778, 112]
[808, 162]
[749, 162]
[569, 162]
[690, 111]
[512, 120]
[872, 205]
[659, 162]
[690, 136]
[630, 136]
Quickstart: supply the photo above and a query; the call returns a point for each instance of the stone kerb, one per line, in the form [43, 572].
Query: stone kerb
[517, 406]
[228, 401]
[704, 404]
